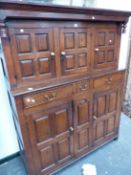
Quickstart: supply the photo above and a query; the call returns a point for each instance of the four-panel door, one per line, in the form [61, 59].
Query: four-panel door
[47, 51]
[50, 133]
[106, 105]
[105, 53]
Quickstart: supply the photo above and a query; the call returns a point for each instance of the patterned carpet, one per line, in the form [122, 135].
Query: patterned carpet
[112, 159]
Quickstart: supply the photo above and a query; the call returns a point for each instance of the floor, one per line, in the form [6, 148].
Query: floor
[112, 159]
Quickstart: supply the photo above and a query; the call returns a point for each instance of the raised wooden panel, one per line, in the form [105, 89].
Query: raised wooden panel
[100, 57]
[69, 62]
[61, 121]
[83, 138]
[111, 38]
[47, 157]
[42, 41]
[23, 43]
[101, 41]
[99, 130]
[27, 68]
[64, 148]
[43, 128]
[111, 124]
[83, 111]
[110, 55]
[82, 39]
[82, 60]
[69, 40]
[101, 105]
[44, 65]
[112, 101]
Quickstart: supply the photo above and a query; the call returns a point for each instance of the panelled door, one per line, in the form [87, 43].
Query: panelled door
[75, 50]
[50, 136]
[105, 48]
[33, 53]
[106, 116]
[82, 120]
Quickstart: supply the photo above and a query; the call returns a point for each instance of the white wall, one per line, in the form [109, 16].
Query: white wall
[8, 141]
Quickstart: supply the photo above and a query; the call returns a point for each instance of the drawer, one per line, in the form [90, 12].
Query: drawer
[47, 96]
[82, 86]
[108, 80]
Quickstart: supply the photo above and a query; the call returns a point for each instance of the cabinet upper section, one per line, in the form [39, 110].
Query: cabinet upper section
[44, 45]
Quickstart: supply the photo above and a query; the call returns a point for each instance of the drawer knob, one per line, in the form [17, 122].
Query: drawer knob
[97, 49]
[50, 98]
[30, 100]
[83, 87]
[94, 117]
[109, 81]
[71, 129]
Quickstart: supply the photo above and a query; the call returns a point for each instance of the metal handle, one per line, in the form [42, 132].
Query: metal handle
[109, 80]
[48, 98]
[94, 117]
[83, 87]
[96, 49]
[71, 129]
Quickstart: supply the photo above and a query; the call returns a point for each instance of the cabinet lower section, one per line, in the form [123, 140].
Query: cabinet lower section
[64, 123]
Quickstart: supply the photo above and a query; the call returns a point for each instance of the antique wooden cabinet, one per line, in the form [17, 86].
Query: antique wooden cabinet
[62, 65]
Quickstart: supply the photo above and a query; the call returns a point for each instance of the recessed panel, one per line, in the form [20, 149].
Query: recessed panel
[27, 68]
[101, 106]
[82, 60]
[43, 130]
[61, 121]
[42, 42]
[99, 130]
[111, 124]
[47, 156]
[44, 65]
[100, 57]
[69, 40]
[101, 38]
[83, 138]
[23, 43]
[110, 55]
[63, 148]
[112, 101]
[83, 112]
[70, 62]
[111, 38]
[82, 39]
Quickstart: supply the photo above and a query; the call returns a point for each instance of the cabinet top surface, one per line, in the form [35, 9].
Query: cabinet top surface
[7, 10]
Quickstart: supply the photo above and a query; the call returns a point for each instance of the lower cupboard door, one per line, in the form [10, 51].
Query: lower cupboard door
[50, 137]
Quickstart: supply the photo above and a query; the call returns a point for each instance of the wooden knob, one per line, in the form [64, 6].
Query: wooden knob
[52, 53]
[63, 53]
[94, 117]
[97, 49]
[71, 129]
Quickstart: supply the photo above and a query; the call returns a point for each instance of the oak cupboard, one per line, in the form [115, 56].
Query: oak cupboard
[62, 65]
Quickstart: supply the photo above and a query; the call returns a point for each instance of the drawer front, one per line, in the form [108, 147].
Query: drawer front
[82, 86]
[47, 96]
[108, 80]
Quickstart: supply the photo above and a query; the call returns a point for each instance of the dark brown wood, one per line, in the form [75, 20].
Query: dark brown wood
[62, 67]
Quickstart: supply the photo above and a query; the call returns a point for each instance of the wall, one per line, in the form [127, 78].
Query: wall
[8, 141]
